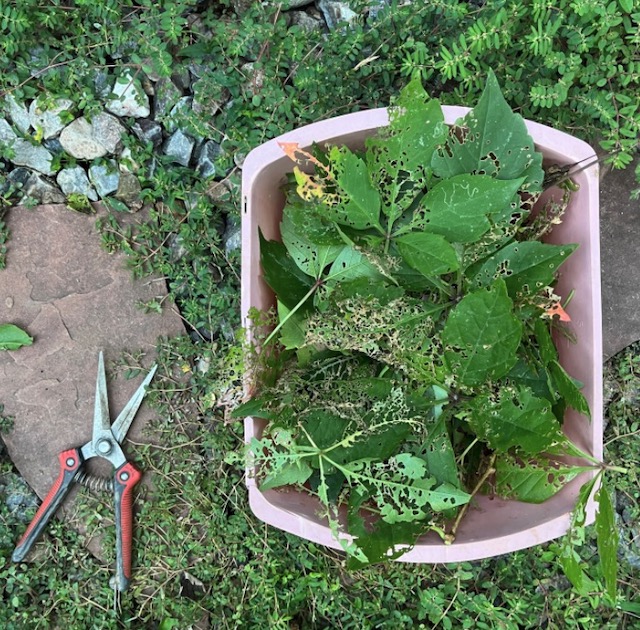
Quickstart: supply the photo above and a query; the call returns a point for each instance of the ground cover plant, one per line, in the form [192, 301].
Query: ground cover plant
[201, 558]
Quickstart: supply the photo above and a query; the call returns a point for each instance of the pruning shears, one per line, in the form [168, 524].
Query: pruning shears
[105, 443]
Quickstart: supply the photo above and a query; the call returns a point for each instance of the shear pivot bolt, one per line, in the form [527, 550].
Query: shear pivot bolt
[124, 476]
[71, 461]
[104, 447]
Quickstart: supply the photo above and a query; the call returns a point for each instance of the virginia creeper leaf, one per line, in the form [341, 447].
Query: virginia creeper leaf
[439, 455]
[533, 376]
[293, 330]
[351, 264]
[548, 350]
[385, 541]
[310, 221]
[481, 336]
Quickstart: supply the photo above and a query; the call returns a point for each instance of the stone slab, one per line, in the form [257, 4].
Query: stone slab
[620, 260]
[75, 299]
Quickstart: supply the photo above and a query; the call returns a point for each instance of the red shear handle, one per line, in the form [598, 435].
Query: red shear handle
[70, 462]
[126, 477]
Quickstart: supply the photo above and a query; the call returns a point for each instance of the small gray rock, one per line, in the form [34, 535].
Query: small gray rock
[18, 113]
[167, 95]
[177, 250]
[206, 156]
[53, 145]
[105, 178]
[179, 147]
[18, 497]
[107, 131]
[208, 99]
[33, 156]
[148, 131]
[310, 20]
[128, 98]
[19, 177]
[77, 140]
[75, 180]
[336, 13]
[129, 190]
[40, 190]
[254, 77]
[376, 6]
[295, 4]
[182, 79]
[7, 135]
[46, 116]
[86, 140]
[179, 113]
[232, 240]
[102, 83]
[197, 70]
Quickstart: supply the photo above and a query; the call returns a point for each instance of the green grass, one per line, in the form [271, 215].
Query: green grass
[199, 552]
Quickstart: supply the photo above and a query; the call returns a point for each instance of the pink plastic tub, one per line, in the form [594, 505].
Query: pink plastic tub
[492, 526]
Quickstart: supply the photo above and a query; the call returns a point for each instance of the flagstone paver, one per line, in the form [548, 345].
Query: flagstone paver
[74, 299]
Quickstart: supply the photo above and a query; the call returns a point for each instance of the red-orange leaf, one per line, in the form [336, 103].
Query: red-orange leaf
[557, 309]
[299, 156]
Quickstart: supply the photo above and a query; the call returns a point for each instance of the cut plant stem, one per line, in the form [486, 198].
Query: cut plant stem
[451, 536]
[466, 451]
[309, 293]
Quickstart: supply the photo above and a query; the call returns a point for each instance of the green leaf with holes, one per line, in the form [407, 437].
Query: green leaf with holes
[361, 206]
[515, 418]
[385, 541]
[481, 336]
[399, 156]
[402, 487]
[526, 267]
[311, 258]
[429, 254]
[492, 140]
[351, 264]
[310, 220]
[457, 208]
[607, 539]
[531, 480]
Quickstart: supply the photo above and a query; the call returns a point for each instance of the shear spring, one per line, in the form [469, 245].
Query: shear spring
[93, 482]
